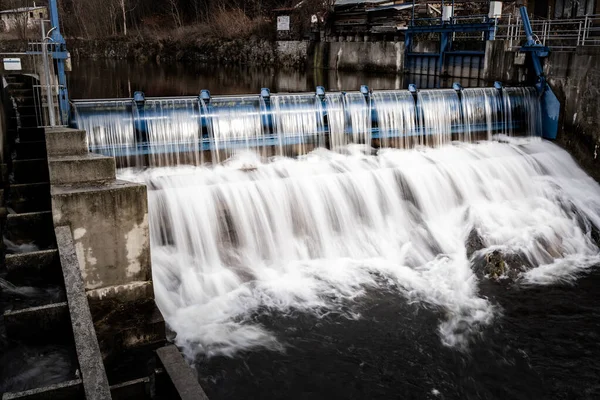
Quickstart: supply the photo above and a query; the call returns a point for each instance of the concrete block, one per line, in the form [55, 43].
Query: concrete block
[181, 374]
[109, 222]
[44, 324]
[66, 142]
[95, 382]
[71, 390]
[126, 326]
[81, 169]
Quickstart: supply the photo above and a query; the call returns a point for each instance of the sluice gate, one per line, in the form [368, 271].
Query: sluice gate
[140, 129]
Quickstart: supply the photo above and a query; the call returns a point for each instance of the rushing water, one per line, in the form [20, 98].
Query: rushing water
[189, 131]
[434, 269]
[314, 233]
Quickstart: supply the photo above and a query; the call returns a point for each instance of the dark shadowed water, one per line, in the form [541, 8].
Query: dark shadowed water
[545, 346]
[118, 78]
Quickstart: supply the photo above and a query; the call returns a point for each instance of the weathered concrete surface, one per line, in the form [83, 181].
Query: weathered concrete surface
[64, 141]
[499, 62]
[181, 374]
[575, 79]
[63, 391]
[367, 56]
[110, 227]
[44, 264]
[95, 382]
[88, 167]
[109, 222]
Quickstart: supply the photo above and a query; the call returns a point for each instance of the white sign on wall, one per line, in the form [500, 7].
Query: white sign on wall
[283, 23]
[12, 64]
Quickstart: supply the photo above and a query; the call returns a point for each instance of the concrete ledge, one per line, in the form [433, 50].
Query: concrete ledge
[132, 292]
[62, 391]
[136, 389]
[95, 382]
[44, 264]
[66, 141]
[181, 374]
[44, 324]
[81, 169]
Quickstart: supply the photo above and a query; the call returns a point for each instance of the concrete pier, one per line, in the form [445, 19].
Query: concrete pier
[109, 221]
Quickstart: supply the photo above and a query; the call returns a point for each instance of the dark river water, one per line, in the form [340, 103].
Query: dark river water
[544, 344]
[112, 78]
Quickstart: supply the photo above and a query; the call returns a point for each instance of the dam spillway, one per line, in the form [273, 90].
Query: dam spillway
[156, 132]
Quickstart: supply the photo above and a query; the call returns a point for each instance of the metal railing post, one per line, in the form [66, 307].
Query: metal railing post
[579, 34]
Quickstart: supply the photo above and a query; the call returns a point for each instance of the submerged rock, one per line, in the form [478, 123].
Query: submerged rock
[474, 243]
[497, 266]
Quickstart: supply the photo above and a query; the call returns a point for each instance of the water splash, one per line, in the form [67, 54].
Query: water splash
[313, 233]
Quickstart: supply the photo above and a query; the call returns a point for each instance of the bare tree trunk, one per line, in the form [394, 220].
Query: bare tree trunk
[124, 17]
[175, 13]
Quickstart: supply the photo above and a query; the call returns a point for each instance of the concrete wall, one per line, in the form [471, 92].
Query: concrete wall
[503, 65]
[292, 52]
[575, 79]
[12, 21]
[361, 56]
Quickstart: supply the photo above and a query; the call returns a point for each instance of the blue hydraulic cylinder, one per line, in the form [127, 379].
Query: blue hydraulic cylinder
[549, 103]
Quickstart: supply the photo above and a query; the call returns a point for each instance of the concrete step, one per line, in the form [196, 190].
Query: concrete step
[31, 135]
[24, 100]
[43, 264]
[84, 168]
[32, 229]
[30, 197]
[15, 85]
[40, 325]
[71, 390]
[136, 389]
[30, 150]
[30, 171]
[20, 91]
[66, 142]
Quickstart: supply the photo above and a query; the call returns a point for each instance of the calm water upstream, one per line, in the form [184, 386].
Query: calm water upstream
[343, 275]
[113, 78]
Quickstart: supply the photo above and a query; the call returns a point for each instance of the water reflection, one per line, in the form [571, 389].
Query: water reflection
[120, 78]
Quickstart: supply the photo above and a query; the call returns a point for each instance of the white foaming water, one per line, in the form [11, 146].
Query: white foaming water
[312, 234]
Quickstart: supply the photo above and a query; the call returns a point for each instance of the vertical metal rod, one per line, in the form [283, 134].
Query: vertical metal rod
[50, 102]
[579, 34]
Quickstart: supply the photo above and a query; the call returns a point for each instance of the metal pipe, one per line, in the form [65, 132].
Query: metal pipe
[49, 101]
